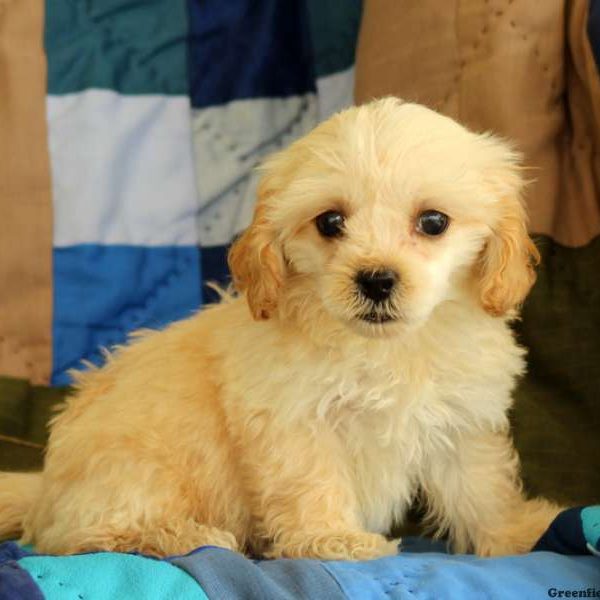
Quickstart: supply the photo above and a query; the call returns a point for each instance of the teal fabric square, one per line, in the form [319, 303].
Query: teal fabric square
[126, 46]
[590, 521]
[107, 576]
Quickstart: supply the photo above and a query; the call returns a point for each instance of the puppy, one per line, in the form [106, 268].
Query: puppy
[366, 360]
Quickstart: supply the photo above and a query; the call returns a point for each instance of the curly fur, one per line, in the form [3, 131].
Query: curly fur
[279, 421]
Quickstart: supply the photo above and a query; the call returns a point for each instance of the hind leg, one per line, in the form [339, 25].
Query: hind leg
[126, 528]
[156, 512]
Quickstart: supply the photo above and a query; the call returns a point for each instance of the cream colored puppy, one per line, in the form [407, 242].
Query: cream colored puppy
[367, 360]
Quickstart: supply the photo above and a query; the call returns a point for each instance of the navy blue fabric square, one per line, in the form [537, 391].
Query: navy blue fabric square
[242, 49]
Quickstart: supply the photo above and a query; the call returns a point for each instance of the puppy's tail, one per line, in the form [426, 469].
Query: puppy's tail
[18, 492]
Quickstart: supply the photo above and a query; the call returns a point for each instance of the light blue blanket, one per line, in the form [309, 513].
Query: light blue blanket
[564, 566]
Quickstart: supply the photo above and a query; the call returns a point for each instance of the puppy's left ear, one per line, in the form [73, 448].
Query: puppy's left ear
[256, 260]
[507, 264]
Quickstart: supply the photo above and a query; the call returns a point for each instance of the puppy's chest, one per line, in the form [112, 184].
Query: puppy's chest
[389, 428]
[381, 451]
[394, 412]
[405, 403]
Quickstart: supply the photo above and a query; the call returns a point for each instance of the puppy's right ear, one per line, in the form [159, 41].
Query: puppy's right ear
[256, 260]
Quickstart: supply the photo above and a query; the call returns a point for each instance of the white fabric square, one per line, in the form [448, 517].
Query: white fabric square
[122, 169]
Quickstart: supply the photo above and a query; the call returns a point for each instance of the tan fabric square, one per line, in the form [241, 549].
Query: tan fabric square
[25, 200]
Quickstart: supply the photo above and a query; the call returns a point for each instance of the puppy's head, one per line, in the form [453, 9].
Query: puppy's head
[383, 213]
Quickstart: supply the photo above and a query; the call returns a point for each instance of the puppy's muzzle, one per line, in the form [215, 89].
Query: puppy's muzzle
[376, 286]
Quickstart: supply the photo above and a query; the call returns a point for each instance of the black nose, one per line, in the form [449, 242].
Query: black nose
[376, 285]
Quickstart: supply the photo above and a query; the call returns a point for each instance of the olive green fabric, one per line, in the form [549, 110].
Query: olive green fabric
[25, 410]
[557, 409]
[18, 455]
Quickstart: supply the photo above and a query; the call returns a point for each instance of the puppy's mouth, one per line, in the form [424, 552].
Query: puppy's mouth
[376, 317]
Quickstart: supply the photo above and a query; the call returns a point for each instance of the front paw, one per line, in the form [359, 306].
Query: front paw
[334, 545]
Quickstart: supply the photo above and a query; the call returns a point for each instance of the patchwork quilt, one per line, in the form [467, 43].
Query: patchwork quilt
[562, 562]
[157, 114]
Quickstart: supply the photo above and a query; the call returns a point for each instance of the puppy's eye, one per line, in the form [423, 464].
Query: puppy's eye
[330, 224]
[432, 222]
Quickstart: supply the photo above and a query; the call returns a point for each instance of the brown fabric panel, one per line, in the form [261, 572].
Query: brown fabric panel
[408, 49]
[25, 199]
[580, 207]
[500, 66]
